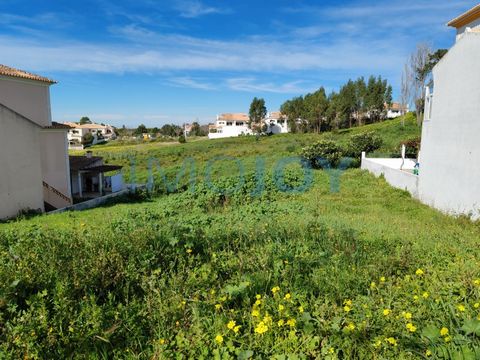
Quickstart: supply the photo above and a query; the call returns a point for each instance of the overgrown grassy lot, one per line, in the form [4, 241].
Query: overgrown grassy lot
[365, 272]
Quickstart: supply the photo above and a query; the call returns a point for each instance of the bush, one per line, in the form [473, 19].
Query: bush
[87, 139]
[322, 154]
[367, 141]
[181, 139]
[412, 147]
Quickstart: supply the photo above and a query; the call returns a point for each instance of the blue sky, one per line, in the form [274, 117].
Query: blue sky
[156, 62]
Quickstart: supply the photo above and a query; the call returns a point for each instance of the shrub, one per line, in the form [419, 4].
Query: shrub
[412, 147]
[181, 139]
[367, 141]
[322, 154]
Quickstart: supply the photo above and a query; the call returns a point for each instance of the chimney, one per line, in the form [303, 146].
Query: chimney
[89, 154]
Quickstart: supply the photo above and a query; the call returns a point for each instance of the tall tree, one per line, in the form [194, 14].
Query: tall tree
[85, 120]
[316, 105]
[141, 129]
[257, 112]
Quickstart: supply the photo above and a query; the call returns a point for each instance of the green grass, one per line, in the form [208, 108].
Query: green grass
[163, 278]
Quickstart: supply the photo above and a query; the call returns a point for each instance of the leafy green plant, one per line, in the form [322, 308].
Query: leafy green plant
[322, 154]
[366, 141]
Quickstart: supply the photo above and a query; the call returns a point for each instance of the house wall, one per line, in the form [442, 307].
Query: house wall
[472, 25]
[450, 150]
[20, 170]
[230, 131]
[55, 164]
[28, 98]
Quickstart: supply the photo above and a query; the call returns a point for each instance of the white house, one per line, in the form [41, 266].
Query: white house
[229, 125]
[33, 150]
[449, 161]
[395, 110]
[276, 123]
[100, 133]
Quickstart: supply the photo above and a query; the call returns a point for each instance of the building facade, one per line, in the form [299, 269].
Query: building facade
[33, 149]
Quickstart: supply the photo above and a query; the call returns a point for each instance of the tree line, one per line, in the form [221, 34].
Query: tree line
[358, 102]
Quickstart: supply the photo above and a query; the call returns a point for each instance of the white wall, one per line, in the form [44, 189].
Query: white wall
[390, 169]
[27, 97]
[230, 131]
[450, 151]
[472, 25]
[20, 171]
[55, 162]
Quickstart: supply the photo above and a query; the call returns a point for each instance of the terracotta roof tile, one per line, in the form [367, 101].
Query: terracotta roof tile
[59, 126]
[11, 72]
[234, 117]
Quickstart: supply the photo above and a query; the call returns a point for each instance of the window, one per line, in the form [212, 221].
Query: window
[229, 123]
[239, 123]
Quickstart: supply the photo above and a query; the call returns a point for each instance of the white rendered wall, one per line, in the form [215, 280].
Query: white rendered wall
[450, 151]
[28, 98]
[20, 172]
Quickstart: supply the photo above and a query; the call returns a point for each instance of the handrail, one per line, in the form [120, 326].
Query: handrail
[57, 192]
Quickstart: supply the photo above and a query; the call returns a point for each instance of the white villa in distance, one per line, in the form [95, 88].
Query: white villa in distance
[449, 159]
[236, 124]
[101, 133]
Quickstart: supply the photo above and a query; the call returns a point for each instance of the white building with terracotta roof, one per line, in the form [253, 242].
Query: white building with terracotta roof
[100, 133]
[34, 163]
[276, 123]
[229, 125]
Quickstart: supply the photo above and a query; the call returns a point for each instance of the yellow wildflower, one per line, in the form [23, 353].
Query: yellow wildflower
[189, 251]
[287, 296]
[428, 353]
[476, 282]
[447, 339]
[476, 305]
[348, 302]
[386, 312]
[350, 327]
[410, 327]
[231, 324]
[275, 289]
[461, 308]
[161, 341]
[347, 308]
[258, 302]
[331, 350]
[236, 329]
[391, 341]
[444, 331]
[425, 295]
[373, 285]
[261, 328]
[218, 306]
[258, 296]
[419, 272]
[291, 322]
[219, 339]
[267, 319]
[300, 309]
[212, 291]
[280, 322]
[377, 344]
[255, 313]
[382, 279]
[281, 307]
[223, 298]
[415, 297]
[407, 315]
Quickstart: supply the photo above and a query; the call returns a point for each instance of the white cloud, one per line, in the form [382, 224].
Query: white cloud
[191, 83]
[250, 84]
[195, 8]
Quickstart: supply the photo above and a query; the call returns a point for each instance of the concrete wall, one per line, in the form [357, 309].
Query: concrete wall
[20, 171]
[390, 169]
[29, 98]
[473, 25]
[230, 131]
[55, 162]
[450, 151]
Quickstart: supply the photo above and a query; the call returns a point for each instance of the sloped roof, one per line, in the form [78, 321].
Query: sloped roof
[466, 18]
[234, 117]
[86, 126]
[83, 162]
[12, 72]
[58, 126]
[275, 115]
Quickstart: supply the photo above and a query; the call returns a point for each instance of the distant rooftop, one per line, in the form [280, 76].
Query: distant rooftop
[12, 72]
[466, 18]
[234, 117]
